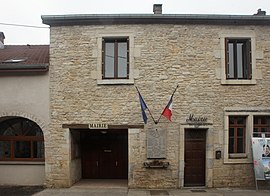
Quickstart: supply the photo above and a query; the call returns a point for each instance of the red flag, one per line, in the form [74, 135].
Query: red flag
[167, 112]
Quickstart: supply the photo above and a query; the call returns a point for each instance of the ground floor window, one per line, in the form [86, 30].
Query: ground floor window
[237, 134]
[261, 124]
[240, 125]
[21, 140]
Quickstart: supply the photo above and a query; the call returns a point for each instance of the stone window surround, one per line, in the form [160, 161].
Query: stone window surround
[130, 80]
[238, 34]
[249, 113]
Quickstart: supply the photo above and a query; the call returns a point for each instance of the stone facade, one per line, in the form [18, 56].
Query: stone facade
[162, 56]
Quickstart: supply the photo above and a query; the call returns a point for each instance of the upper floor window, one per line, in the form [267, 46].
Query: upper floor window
[238, 59]
[115, 58]
[237, 134]
[21, 140]
[261, 124]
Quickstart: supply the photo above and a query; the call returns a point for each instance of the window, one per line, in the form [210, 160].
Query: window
[115, 58]
[238, 59]
[240, 124]
[21, 140]
[238, 55]
[116, 70]
[237, 134]
[261, 124]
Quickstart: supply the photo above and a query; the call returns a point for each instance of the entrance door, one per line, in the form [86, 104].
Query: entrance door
[104, 154]
[195, 146]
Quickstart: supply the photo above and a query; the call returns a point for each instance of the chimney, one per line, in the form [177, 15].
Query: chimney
[157, 8]
[2, 37]
[260, 13]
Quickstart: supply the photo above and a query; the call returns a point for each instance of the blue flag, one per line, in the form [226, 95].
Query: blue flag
[143, 107]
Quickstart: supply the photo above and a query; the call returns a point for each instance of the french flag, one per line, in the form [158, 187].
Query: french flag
[167, 112]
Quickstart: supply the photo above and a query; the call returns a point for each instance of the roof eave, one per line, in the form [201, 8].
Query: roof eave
[10, 68]
[105, 19]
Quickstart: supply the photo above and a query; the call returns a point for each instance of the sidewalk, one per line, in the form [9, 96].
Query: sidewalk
[140, 192]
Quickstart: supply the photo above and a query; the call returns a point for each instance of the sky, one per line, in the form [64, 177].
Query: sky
[28, 12]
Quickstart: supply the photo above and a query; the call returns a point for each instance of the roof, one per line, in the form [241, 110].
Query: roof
[103, 19]
[24, 58]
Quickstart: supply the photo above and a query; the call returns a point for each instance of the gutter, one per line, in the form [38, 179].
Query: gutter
[10, 68]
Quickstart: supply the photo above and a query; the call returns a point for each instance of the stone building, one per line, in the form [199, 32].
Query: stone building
[220, 64]
[24, 112]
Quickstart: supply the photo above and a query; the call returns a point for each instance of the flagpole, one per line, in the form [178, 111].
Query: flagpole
[166, 105]
[147, 108]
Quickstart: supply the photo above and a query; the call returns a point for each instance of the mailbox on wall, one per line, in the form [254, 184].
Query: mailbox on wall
[218, 154]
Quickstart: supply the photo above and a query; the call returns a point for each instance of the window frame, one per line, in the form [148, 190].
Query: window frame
[22, 138]
[250, 113]
[246, 58]
[260, 125]
[134, 51]
[236, 136]
[114, 40]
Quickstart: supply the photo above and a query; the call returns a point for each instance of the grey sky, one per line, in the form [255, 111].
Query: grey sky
[28, 12]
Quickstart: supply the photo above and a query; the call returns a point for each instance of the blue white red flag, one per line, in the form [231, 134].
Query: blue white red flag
[167, 112]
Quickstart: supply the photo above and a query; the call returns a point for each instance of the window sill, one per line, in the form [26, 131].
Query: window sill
[116, 81]
[237, 158]
[238, 82]
[22, 163]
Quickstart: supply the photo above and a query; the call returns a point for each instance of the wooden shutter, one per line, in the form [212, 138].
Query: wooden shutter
[249, 59]
[128, 64]
[103, 58]
[227, 58]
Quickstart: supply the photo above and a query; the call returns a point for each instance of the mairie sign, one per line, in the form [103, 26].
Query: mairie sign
[196, 120]
[97, 126]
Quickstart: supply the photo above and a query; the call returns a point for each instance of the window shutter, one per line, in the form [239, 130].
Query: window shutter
[249, 60]
[227, 58]
[103, 58]
[128, 58]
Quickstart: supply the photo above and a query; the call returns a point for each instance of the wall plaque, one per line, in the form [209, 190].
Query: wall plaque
[156, 143]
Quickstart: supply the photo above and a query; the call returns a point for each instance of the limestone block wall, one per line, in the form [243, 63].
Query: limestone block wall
[164, 56]
[141, 177]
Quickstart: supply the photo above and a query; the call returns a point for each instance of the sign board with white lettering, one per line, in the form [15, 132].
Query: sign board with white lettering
[97, 126]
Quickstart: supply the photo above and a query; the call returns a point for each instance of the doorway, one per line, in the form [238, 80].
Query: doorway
[104, 154]
[195, 156]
